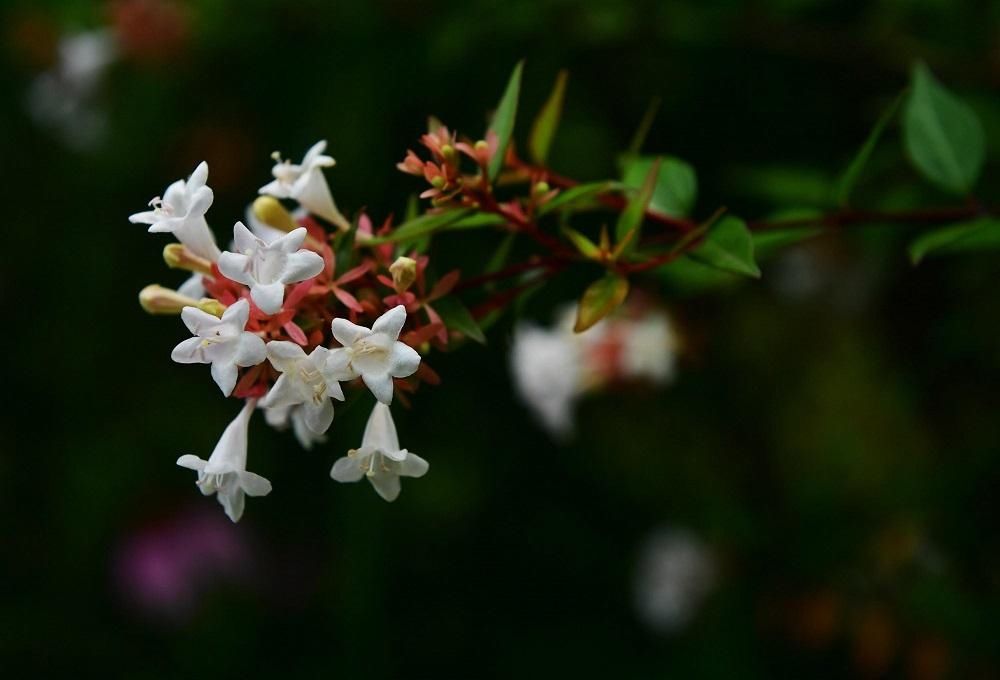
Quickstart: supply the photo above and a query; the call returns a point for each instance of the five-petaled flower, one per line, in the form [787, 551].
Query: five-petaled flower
[181, 212]
[374, 354]
[267, 267]
[306, 184]
[225, 473]
[380, 459]
[304, 380]
[224, 343]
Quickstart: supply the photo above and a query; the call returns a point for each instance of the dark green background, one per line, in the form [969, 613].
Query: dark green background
[804, 438]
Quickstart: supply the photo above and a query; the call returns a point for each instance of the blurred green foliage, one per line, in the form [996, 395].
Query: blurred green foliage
[832, 434]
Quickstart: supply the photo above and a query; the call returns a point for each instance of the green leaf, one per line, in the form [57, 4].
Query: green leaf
[577, 194]
[645, 125]
[456, 316]
[728, 246]
[630, 221]
[475, 221]
[601, 298]
[765, 243]
[943, 137]
[503, 119]
[980, 234]
[420, 226]
[544, 128]
[583, 244]
[858, 163]
[676, 185]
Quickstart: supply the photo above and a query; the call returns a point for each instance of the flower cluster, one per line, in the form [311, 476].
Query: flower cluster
[301, 305]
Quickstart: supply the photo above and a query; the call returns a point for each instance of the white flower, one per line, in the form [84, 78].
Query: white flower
[676, 570]
[380, 458]
[376, 355]
[225, 470]
[547, 374]
[306, 184]
[267, 267]
[648, 348]
[181, 212]
[193, 287]
[221, 342]
[279, 418]
[304, 380]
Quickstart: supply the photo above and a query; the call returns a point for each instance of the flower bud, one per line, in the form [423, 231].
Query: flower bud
[179, 256]
[211, 306]
[269, 210]
[448, 151]
[481, 145]
[438, 182]
[404, 273]
[156, 299]
[540, 189]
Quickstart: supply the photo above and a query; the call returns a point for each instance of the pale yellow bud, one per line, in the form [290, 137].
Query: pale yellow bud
[269, 210]
[404, 273]
[179, 256]
[156, 299]
[211, 306]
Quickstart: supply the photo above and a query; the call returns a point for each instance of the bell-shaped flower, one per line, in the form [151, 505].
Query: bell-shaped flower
[380, 459]
[304, 381]
[374, 354]
[306, 184]
[181, 212]
[224, 343]
[225, 473]
[267, 267]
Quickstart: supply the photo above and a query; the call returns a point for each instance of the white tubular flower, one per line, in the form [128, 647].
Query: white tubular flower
[279, 417]
[181, 212]
[306, 184]
[221, 342]
[225, 473]
[649, 348]
[380, 458]
[267, 267]
[374, 354]
[304, 381]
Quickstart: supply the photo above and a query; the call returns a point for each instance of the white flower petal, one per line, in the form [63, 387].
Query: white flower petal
[237, 314]
[318, 418]
[284, 393]
[235, 267]
[190, 351]
[347, 333]
[338, 365]
[413, 466]
[225, 375]
[347, 469]
[386, 485]
[302, 265]
[197, 321]
[380, 430]
[283, 354]
[403, 360]
[391, 322]
[233, 502]
[254, 484]
[191, 462]
[380, 385]
[268, 296]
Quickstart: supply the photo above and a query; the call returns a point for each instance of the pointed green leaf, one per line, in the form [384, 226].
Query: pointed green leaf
[457, 317]
[858, 163]
[601, 298]
[676, 185]
[575, 195]
[544, 128]
[631, 218]
[943, 137]
[503, 119]
[728, 246]
[645, 125]
[981, 234]
[768, 242]
[583, 244]
[420, 226]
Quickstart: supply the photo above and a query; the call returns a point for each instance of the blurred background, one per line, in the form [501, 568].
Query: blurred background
[813, 495]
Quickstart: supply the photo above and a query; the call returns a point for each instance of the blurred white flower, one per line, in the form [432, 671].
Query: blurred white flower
[280, 417]
[553, 368]
[674, 574]
[63, 98]
[221, 342]
[268, 267]
[306, 184]
[225, 473]
[181, 212]
[374, 354]
[379, 458]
